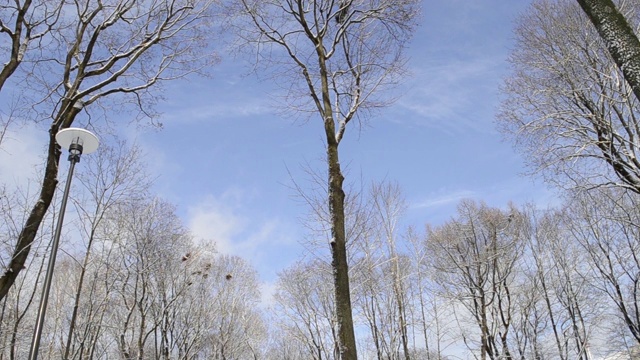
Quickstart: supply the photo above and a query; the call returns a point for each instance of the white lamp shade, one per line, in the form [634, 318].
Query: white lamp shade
[86, 138]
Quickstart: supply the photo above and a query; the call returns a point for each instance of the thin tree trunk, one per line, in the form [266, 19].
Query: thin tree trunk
[76, 304]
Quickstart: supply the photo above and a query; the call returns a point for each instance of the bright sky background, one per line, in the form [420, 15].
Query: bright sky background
[224, 156]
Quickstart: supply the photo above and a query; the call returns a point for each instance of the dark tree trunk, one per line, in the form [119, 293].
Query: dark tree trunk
[347, 340]
[621, 41]
[17, 50]
[339, 253]
[30, 229]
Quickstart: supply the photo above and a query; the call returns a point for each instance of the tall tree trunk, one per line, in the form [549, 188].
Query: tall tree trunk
[64, 119]
[339, 251]
[347, 340]
[621, 41]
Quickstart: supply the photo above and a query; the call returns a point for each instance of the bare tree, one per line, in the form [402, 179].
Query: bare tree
[284, 347]
[24, 22]
[373, 296]
[149, 279]
[113, 175]
[476, 257]
[389, 206]
[428, 308]
[16, 315]
[236, 329]
[538, 307]
[306, 309]
[605, 223]
[148, 291]
[335, 56]
[572, 304]
[118, 48]
[559, 309]
[568, 107]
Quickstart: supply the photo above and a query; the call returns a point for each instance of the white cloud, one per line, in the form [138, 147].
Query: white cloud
[236, 231]
[213, 220]
[267, 291]
[265, 235]
[21, 152]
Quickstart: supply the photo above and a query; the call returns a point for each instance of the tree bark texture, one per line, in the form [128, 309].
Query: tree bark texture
[347, 346]
[346, 335]
[621, 41]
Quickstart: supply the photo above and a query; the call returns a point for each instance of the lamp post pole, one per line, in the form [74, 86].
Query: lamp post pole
[75, 140]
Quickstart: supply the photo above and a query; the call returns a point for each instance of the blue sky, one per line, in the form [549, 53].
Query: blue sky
[225, 156]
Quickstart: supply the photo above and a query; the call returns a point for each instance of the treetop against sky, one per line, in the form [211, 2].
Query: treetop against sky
[227, 159]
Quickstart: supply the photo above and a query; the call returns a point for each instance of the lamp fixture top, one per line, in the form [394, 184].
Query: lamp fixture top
[86, 138]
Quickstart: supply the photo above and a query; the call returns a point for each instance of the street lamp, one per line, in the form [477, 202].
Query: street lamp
[77, 141]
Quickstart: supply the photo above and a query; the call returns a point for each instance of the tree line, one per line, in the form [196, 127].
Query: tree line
[515, 282]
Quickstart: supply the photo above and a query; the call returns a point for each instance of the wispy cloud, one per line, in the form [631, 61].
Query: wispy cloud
[444, 199]
[455, 68]
[198, 100]
[513, 189]
[228, 222]
[454, 96]
[217, 109]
